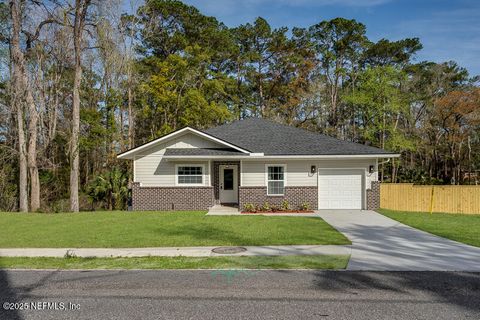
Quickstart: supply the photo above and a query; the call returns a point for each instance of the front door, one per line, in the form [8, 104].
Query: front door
[228, 184]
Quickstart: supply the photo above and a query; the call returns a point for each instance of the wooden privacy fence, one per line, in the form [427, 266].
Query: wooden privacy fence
[409, 197]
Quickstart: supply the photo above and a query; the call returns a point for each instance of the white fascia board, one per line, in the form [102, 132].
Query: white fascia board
[293, 157]
[205, 157]
[129, 154]
[313, 157]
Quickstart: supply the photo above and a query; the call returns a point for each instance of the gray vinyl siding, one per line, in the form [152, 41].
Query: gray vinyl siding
[298, 171]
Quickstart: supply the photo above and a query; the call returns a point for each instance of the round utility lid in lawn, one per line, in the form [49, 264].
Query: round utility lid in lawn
[229, 250]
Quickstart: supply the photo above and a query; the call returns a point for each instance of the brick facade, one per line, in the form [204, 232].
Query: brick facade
[171, 198]
[373, 196]
[202, 198]
[294, 195]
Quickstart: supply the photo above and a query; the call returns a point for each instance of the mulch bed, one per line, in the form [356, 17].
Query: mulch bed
[279, 211]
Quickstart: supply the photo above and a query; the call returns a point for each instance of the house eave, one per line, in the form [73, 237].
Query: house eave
[286, 157]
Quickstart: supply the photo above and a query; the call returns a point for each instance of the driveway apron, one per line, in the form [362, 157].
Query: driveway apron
[380, 243]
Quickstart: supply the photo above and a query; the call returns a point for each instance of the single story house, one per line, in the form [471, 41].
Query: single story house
[253, 161]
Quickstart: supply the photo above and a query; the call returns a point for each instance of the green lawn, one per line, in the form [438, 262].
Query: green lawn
[459, 227]
[159, 229]
[252, 262]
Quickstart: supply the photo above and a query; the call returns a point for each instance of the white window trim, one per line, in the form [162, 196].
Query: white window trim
[284, 165]
[190, 184]
[134, 169]
[240, 183]
[209, 175]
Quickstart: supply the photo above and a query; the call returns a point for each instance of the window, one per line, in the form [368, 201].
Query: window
[275, 179]
[227, 179]
[189, 175]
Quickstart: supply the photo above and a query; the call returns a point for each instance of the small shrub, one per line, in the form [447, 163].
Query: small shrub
[266, 207]
[274, 208]
[111, 188]
[249, 207]
[285, 205]
[305, 206]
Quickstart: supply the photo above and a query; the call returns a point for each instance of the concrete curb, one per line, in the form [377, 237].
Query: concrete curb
[176, 251]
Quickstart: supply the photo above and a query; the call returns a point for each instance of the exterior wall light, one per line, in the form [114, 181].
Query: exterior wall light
[313, 169]
[371, 169]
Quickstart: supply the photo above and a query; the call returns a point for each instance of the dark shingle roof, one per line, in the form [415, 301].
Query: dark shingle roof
[264, 136]
[201, 152]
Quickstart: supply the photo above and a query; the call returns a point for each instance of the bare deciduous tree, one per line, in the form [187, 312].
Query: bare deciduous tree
[19, 91]
[81, 8]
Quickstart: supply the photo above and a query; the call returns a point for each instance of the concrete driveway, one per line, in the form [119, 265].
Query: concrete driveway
[380, 243]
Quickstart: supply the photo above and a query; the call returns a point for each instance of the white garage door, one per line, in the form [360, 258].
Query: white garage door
[340, 189]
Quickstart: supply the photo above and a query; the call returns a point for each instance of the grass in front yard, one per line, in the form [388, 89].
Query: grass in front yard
[459, 227]
[159, 229]
[250, 262]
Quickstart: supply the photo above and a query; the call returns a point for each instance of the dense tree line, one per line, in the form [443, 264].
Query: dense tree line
[81, 81]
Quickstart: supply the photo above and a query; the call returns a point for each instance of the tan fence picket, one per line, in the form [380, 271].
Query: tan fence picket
[410, 197]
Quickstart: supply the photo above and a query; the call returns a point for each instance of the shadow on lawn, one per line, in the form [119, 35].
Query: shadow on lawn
[208, 234]
[205, 234]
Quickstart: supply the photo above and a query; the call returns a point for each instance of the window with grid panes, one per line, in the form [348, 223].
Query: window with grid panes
[275, 180]
[190, 175]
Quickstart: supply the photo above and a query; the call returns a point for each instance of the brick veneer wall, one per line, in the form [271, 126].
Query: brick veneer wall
[171, 198]
[294, 195]
[373, 196]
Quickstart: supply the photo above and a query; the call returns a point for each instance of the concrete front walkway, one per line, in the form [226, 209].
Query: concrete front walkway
[380, 243]
[175, 251]
[221, 210]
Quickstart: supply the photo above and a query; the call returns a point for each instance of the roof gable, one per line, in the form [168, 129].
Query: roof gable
[129, 154]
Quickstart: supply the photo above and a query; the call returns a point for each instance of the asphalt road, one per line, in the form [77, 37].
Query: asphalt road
[240, 295]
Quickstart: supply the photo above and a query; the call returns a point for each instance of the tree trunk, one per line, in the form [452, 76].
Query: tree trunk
[262, 101]
[469, 160]
[260, 92]
[19, 91]
[130, 118]
[394, 172]
[74, 145]
[32, 153]
[81, 7]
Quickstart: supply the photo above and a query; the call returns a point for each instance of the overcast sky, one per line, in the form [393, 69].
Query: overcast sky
[448, 29]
